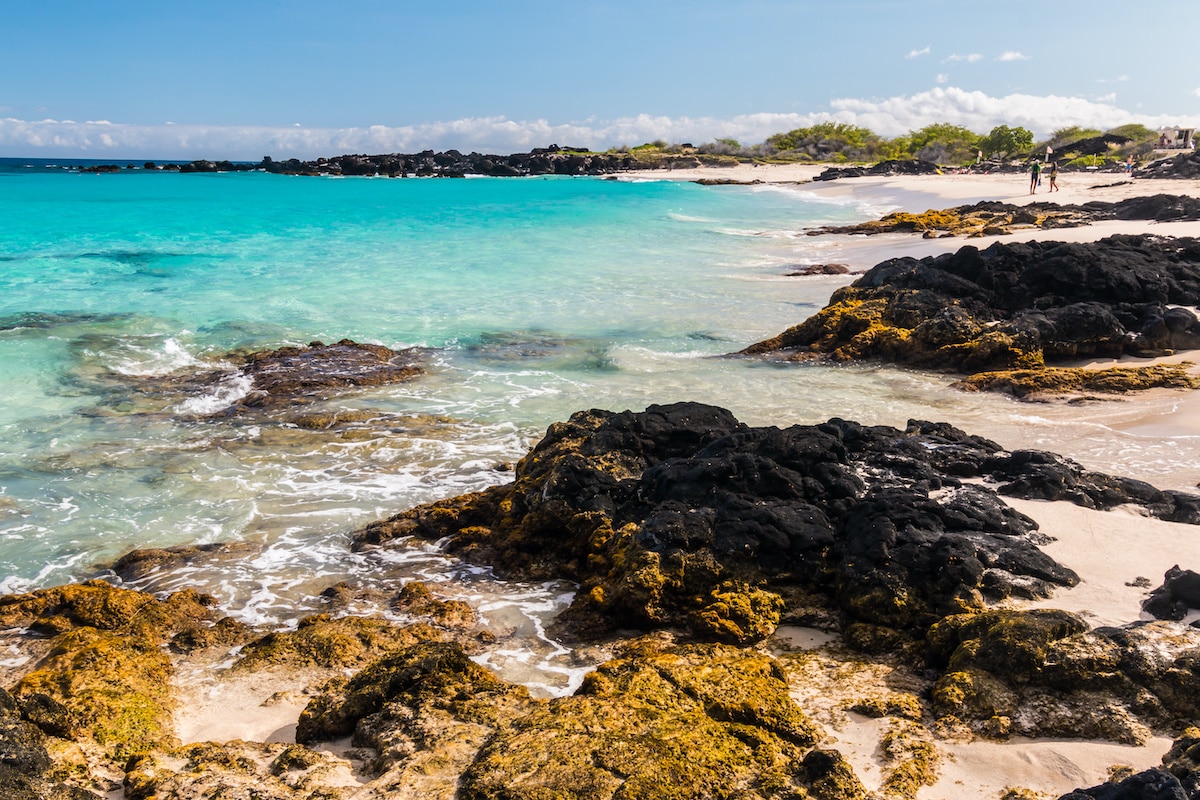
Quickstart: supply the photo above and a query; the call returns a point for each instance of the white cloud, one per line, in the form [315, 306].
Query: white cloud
[970, 58]
[943, 78]
[1196, 91]
[924, 51]
[1111, 97]
[981, 112]
[889, 116]
[1012, 55]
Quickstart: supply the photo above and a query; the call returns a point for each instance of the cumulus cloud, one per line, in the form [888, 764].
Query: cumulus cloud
[981, 112]
[942, 78]
[970, 58]
[1196, 91]
[924, 51]
[1012, 55]
[889, 116]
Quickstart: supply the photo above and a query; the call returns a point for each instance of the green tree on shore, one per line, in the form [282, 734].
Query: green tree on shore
[827, 139]
[1006, 141]
[940, 142]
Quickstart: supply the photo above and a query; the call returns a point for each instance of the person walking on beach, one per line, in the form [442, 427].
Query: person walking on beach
[1035, 176]
[1054, 176]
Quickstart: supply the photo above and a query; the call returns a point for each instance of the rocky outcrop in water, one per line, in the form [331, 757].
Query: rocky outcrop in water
[680, 516]
[297, 374]
[1011, 306]
[271, 381]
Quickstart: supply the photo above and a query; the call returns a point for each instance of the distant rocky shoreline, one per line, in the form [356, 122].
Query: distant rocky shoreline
[552, 160]
[556, 160]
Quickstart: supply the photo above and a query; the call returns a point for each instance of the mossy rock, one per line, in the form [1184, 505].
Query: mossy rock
[113, 688]
[234, 770]
[1045, 673]
[739, 614]
[1012, 643]
[911, 757]
[416, 599]
[895, 704]
[1062, 380]
[331, 643]
[699, 721]
[829, 776]
[103, 606]
[427, 676]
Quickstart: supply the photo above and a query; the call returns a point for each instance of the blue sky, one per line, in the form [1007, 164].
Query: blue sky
[227, 79]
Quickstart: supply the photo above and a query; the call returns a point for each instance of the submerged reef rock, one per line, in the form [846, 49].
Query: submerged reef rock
[993, 218]
[296, 374]
[1047, 673]
[680, 516]
[269, 381]
[1011, 306]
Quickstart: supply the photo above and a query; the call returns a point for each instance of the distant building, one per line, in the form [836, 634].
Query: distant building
[1176, 139]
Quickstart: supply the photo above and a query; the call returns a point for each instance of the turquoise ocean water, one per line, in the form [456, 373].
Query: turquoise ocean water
[534, 298]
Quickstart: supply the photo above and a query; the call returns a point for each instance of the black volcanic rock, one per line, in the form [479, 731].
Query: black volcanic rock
[885, 168]
[448, 164]
[681, 516]
[1179, 593]
[1185, 166]
[1018, 305]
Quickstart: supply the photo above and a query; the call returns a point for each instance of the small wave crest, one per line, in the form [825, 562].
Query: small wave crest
[688, 218]
[229, 391]
[143, 361]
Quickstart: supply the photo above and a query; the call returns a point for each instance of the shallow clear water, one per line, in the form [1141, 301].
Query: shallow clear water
[535, 298]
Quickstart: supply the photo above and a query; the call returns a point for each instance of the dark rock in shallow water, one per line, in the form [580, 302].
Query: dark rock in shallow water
[682, 516]
[819, 269]
[281, 378]
[294, 374]
[1011, 306]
